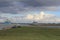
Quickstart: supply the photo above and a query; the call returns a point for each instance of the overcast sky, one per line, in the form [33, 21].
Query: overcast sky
[21, 6]
[10, 8]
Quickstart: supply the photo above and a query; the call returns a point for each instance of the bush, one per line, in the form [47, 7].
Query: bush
[14, 26]
[18, 26]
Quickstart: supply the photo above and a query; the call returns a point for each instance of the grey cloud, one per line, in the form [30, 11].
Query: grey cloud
[49, 2]
[13, 6]
[35, 2]
[5, 3]
[41, 2]
[32, 3]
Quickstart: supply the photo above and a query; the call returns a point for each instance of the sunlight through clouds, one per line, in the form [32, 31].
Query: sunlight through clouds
[40, 17]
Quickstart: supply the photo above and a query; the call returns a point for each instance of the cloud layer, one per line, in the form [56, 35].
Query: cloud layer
[22, 6]
[29, 18]
[41, 18]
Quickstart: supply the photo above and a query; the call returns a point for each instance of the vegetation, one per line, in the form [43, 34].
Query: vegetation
[30, 33]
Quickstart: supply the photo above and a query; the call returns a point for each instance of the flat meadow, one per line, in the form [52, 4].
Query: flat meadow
[30, 33]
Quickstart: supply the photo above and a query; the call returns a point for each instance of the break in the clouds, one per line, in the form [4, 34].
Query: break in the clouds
[23, 6]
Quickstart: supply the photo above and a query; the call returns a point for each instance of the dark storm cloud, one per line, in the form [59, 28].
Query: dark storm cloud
[42, 2]
[32, 2]
[49, 2]
[15, 6]
[11, 7]
[4, 3]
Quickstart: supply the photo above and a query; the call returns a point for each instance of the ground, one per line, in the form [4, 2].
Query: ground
[30, 33]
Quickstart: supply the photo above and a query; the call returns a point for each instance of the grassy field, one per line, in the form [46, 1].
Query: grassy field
[30, 33]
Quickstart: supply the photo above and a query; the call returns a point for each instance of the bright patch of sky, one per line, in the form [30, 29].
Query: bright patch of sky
[57, 13]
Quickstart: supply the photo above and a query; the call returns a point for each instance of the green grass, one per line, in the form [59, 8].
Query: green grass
[30, 33]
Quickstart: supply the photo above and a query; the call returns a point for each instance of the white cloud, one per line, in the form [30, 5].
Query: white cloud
[41, 17]
[29, 16]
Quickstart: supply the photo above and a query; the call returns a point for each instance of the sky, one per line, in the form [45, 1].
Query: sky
[30, 10]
